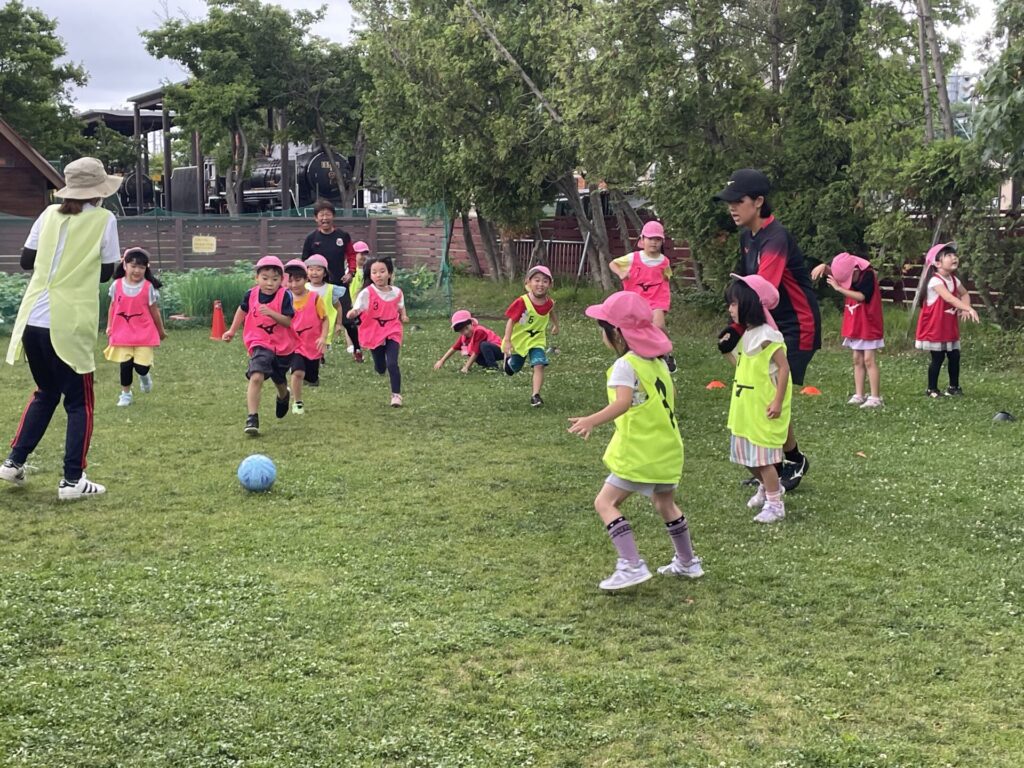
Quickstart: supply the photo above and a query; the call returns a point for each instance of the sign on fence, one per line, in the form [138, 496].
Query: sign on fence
[204, 244]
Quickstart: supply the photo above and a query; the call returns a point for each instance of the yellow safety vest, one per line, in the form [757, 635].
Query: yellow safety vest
[73, 288]
[530, 331]
[647, 446]
[752, 393]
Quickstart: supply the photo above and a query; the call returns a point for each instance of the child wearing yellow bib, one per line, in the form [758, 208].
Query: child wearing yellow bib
[645, 454]
[760, 407]
[526, 329]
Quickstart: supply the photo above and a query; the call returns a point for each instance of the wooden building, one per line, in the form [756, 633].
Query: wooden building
[26, 178]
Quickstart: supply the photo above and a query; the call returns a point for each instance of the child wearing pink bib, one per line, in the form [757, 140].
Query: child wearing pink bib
[311, 327]
[647, 273]
[134, 324]
[265, 316]
[381, 307]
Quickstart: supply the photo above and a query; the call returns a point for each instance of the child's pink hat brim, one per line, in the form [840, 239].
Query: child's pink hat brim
[843, 266]
[933, 253]
[542, 269]
[461, 316]
[651, 229]
[634, 318]
[270, 261]
[295, 264]
[766, 292]
[316, 260]
[360, 247]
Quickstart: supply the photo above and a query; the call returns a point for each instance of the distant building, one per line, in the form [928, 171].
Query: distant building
[960, 87]
[26, 178]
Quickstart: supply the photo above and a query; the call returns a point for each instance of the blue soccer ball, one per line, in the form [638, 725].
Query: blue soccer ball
[257, 473]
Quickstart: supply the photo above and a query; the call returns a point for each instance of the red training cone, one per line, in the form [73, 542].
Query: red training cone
[218, 329]
[810, 391]
[715, 384]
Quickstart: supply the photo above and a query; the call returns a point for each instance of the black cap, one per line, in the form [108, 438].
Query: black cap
[746, 182]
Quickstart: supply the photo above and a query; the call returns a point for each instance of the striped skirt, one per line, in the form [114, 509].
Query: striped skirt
[747, 454]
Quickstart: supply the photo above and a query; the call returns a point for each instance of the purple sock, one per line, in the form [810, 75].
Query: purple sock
[622, 537]
[679, 532]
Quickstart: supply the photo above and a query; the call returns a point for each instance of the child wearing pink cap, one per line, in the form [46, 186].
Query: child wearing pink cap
[645, 454]
[647, 273]
[310, 327]
[382, 307]
[759, 410]
[862, 330]
[134, 325]
[938, 325]
[526, 329]
[265, 316]
[476, 342]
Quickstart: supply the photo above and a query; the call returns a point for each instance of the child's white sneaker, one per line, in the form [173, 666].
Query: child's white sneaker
[758, 499]
[146, 382]
[396, 401]
[773, 512]
[626, 575]
[873, 402]
[856, 400]
[125, 398]
[82, 489]
[691, 570]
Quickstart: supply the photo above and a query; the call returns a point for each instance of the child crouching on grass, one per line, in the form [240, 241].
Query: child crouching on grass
[265, 315]
[645, 454]
[478, 343]
[134, 324]
[760, 406]
[310, 327]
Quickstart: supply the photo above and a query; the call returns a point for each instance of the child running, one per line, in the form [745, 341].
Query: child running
[526, 329]
[330, 298]
[380, 330]
[645, 454]
[862, 328]
[647, 273]
[134, 324]
[265, 315]
[355, 285]
[760, 407]
[310, 326]
[938, 325]
[478, 343]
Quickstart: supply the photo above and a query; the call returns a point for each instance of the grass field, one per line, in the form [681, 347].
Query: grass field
[419, 588]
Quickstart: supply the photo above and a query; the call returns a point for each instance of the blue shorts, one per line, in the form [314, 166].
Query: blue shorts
[514, 363]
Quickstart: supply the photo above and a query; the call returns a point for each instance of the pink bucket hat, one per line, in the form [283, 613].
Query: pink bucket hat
[843, 265]
[539, 268]
[766, 292]
[316, 260]
[269, 261]
[933, 253]
[360, 247]
[296, 264]
[634, 318]
[461, 316]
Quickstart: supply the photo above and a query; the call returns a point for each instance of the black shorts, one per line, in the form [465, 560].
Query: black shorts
[798, 360]
[264, 361]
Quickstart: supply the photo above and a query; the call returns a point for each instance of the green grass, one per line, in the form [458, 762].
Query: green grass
[419, 588]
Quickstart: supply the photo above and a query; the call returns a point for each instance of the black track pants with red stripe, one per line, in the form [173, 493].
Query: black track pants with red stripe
[54, 379]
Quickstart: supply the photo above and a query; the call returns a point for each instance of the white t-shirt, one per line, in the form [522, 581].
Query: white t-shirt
[933, 295]
[623, 375]
[110, 253]
[131, 289]
[362, 302]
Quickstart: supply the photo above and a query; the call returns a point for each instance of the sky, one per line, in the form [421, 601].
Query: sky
[103, 36]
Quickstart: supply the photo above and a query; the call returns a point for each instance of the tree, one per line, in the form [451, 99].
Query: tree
[34, 88]
[241, 58]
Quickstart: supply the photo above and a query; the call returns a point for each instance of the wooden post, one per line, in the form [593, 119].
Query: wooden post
[264, 233]
[165, 125]
[138, 159]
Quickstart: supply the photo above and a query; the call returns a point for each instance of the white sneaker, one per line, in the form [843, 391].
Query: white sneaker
[146, 382]
[692, 570]
[773, 512]
[626, 575]
[873, 402]
[125, 398]
[758, 499]
[82, 489]
[855, 400]
[12, 473]
[396, 401]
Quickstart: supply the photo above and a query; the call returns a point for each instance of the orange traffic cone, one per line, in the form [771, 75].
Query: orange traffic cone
[218, 329]
[715, 384]
[810, 391]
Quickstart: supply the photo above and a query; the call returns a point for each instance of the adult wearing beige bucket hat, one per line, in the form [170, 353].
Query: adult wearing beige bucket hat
[71, 248]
